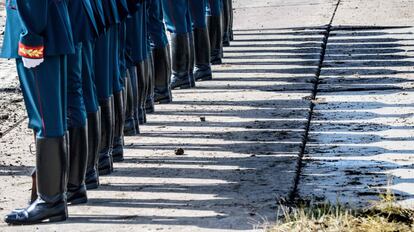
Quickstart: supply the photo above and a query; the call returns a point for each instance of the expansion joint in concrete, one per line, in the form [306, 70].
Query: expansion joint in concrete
[293, 195]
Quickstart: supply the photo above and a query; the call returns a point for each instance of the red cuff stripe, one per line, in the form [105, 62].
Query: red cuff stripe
[31, 52]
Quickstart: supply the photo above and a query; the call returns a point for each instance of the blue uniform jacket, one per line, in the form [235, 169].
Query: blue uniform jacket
[133, 6]
[110, 12]
[82, 19]
[135, 32]
[98, 11]
[123, 10]
[37, 28]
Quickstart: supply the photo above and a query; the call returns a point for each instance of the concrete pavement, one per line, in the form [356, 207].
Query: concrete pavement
[242, 160]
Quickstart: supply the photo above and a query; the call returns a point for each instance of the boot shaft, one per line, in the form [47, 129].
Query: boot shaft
[106, 125]
[94, 139]
[51, 168]
[119, 114]
[161, 69]
[215, 28]
[78, 156]
[202, 46]
[180, 53]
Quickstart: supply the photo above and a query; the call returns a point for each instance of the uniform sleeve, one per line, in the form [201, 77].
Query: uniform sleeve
[33, 14]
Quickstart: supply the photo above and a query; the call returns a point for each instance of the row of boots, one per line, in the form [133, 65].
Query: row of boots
[72, 164]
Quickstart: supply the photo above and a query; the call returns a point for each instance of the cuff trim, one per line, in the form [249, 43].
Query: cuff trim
[31, 52]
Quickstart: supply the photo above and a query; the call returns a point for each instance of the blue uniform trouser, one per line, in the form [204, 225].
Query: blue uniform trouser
[44, 91]
[176, 16]
[103, 75]
[188, 20]
[145, 36]
[214, 7]
[76, 107]
[117, 82]
[88, 73]
[156, 27]
[122, 51]
[136, 41]
[198, 13]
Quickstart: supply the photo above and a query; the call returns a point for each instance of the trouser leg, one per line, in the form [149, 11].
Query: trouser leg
[104, 85]
[176, 19]
[44, 91]
[93, 115]
[162, 74]
[215, 28]
[78, 133]
[226, 22]
[149, 104]
[141, 80]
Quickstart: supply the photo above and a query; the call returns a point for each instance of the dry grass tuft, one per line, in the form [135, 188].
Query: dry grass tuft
[383, 216]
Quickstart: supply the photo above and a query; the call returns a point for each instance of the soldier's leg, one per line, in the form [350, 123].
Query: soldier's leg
[78, 134]
[149, 82]
[192, 49]
[215, 27]
[142, 90]
[226, 22]
[119, 92]
[230, 3]
[202, 69]
[93, 115]
[133, 56]
[131, 124]
[141, 65]
[176, 21]
[103, 82]
[44, 91]
[149, 105]
[160, 53]
[129, 121]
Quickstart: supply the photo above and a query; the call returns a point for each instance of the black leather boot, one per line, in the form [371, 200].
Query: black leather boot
[215, 31]
[78, 158]
[94, 139]
[192, 57]
[132, 72]
[226, 22]
[162, 75]
[33, 195]
[202, 69]
[113, 132]
[105, 150]
[149, 103]
[169, 64]
[118, 144]
[231, 36]
[51, 179]
[129, 125]
[180, 56]
[142, 91]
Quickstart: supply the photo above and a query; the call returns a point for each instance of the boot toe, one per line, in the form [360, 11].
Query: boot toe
[16, 217]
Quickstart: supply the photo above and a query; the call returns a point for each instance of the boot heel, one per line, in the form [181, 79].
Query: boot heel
[118, 158]
[165, 101]
[58, 218]
[182, 86]
[90, 186]
[185, 86]
[79, 201]
[105, 171]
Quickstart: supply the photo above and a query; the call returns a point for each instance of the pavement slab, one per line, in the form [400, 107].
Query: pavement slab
[361, 135]
[242, 134]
